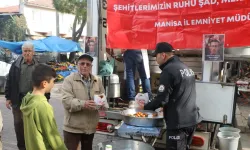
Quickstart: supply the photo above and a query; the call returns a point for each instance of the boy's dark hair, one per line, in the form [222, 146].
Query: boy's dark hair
[42, 73]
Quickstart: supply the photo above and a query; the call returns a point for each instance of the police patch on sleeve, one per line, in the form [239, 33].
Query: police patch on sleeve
[161, 88]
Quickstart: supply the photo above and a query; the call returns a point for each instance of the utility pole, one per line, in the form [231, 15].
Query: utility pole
[57, 24]
[56, 54]
[92, 27]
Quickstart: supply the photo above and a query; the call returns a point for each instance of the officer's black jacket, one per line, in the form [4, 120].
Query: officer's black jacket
[177, 95]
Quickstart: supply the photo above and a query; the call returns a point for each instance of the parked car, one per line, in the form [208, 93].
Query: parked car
[6, 59]
[4, 67]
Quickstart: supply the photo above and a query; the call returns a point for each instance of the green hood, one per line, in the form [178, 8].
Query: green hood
[30, 102]
[40, 128]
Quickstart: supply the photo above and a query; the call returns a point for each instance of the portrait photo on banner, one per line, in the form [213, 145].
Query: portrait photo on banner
[213, 47]
[91, 46]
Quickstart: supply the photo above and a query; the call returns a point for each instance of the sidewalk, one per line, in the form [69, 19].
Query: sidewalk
[242, 112]
[55, 92]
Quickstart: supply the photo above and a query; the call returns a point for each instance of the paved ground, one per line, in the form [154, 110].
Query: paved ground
[242, 113]
[9, 140]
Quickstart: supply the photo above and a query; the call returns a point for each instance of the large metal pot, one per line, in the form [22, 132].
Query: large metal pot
[114, 86]
[142, 122]
[124, 145]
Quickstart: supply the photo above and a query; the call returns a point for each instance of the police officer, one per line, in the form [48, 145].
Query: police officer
[177, 95]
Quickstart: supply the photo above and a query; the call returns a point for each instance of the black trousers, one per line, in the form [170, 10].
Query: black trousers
[18, 124]
[74, 141]
[180, 139]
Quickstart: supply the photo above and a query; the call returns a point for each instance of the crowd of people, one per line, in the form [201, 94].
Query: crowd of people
[29, 84]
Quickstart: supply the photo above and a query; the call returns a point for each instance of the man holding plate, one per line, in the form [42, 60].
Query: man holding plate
[81, 111]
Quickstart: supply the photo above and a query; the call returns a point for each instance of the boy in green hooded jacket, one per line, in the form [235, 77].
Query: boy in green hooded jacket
[40, 129]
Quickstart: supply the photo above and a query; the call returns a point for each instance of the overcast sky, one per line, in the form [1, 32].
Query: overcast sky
[4, 3]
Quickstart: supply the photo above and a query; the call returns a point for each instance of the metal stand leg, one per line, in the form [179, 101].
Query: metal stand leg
[106, 84]
[155, 139]
[144, 139]
[213, 136]
[151, 140]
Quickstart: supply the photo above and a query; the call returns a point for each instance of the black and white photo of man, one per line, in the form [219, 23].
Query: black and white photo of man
[214, 47]
[91, 46]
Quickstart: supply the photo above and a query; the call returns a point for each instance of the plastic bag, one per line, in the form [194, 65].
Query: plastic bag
[141, 99]
[101, 100]
[106, 68]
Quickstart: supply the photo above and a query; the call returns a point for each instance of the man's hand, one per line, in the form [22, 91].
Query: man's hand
[8, 104]
[90, 104]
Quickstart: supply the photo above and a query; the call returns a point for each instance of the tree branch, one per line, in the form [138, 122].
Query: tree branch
[74, 29]
[82, 25]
